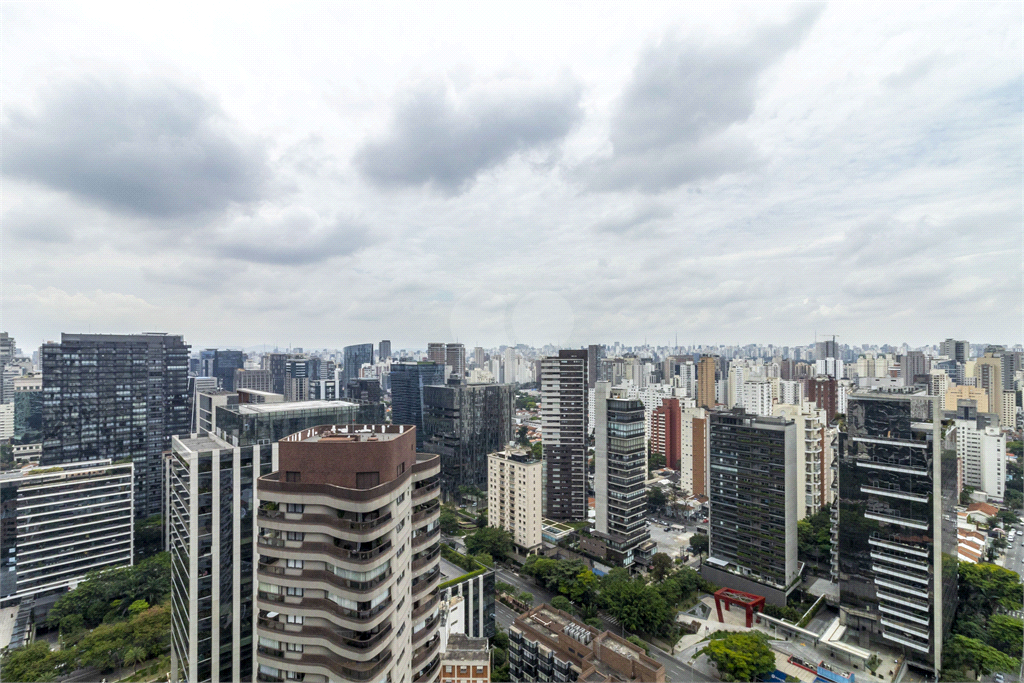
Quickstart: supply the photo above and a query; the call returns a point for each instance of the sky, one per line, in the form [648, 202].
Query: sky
[320, 175]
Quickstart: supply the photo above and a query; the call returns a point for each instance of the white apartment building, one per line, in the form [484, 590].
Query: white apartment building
[514, 497]
[791, 392]
[6, 420]
[981, 448]
[813, 453]
[1008, 414]
[757, 397]
[938, 385]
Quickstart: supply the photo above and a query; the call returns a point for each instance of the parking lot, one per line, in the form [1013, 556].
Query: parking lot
[672, 543]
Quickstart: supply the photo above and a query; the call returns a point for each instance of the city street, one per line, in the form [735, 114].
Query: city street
[676, 671]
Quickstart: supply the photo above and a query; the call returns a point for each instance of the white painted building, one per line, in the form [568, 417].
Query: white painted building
[981, 448]
[514, 497]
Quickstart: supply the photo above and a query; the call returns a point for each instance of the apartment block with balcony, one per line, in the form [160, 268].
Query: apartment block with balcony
[514, 497]
[897, 527]
[813, 455]
[620, 475]
[348, 547]
[753, 504]
[563, 413]
[59, 523]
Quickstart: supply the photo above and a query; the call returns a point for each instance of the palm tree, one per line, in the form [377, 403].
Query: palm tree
[134, 656]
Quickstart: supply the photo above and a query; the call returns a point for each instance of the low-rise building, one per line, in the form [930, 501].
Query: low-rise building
[549, 644]
[467, 660]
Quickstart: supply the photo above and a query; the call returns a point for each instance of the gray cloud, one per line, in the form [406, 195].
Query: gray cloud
[640, 217]
[152, 149]
[671, 125]
[434, 140]
[295, 236]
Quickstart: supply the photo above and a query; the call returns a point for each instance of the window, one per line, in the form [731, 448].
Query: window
[296, 535]
[294, 618]
[296, 507]
[367, 480]
[294, 477]
[294, 675]
[294, 647]
[297, 592]
[294, 564]
[400, 499]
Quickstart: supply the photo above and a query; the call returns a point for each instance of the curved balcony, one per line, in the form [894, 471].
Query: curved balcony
[428, 628]
[421, 491]
[329, 607]
[426, 558]
[306, 575]
[272, 484]
[427, 674]
[425, 607]
[330, 522]
[426, 462]
[331, 550]
[422, 653]
[359, 643]
[433, 507]
[419, 538]
[421, 583]
[355, 671]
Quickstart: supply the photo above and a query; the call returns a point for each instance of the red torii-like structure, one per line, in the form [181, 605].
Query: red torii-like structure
[731, 596]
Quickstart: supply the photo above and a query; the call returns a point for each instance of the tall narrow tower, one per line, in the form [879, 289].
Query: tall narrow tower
[564, 428]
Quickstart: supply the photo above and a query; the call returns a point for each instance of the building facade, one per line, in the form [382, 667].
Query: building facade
[466, 660]
[693, 468]
[116, 396]
[563, 416]
[666, 434]
[348, 548]
[897, 527]
[260, 380]
[753, 501]
[981, 450]
[813, 455]
[407, 383]
[706, 368]
[515, 498]
[620, 475]
[355, 356]
[59, 523]
[463, 424]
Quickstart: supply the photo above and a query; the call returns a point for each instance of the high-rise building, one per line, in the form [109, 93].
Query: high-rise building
[594, 354]
[463, 424]
[813, 455]
[276, 364]
[564, 427]
[510, 368]
[7, 348]
[981, 449]
[116, 396]
[348, 549]
[666, 436]
[548, 644]
[955, 349]
[693, 457]
[479, 357]
[1008, 412]
[384, 350]
[897, 526]
[407, 383]
[515, 497]
[455, 358]
[823, 391]
[28, 409]
[260, 380]
[620, 475]
[355, 356]
[753, 500]
[756, 397]
[61, 523]
[826, 349]
[436, 352]
[706, 382]
[963, 392]
[988, 371]
[222, 363]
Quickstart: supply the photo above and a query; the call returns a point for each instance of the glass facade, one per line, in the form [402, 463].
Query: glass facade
[626, 462]
[897, 524]
[249, 425]
[407, 382]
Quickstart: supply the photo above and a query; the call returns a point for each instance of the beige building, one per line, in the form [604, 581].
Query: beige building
[962, 392]
[988, 371]
[693, 451]
[466, 660]
[514, 501]
[813, 452]
[938, 385]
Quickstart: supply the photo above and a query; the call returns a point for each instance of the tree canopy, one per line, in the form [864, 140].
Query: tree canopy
[492, 540]
[961, 653]
[113, 591]
[741, 656]
[701, 543]
[814, 535]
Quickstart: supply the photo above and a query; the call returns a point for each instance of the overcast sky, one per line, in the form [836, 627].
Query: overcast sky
[323, 175]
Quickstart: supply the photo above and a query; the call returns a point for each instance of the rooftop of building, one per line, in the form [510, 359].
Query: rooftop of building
[197, 443]
[463, 648]
[267, 408]
[347, 433]
[64, 468]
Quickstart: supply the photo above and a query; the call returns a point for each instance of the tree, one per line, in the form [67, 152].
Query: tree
[94, 598]
[499, 639]
[492, 540]
[502, 587]
[661, 564]
[656, 498]
[639, 642]
[701, 543]
[449, 521]
[740, 657]
[149, 537]
[637, 605]
[965, 495]
[133, 656]
[525, 597]
[583, 589]
[537, 449]
[561, 602]
[485, 559]
[137, 608]
[873, 663]
[960, 653]
[1006, 634]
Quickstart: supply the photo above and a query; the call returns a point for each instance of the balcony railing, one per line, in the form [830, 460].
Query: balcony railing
[420, 538]
[353, 640]
[355, 671]
[428, 673]
[334, 579]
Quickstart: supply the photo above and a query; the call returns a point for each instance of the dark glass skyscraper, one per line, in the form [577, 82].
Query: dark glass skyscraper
[225, 362]
[897, 526]
[355, 356]
[463, 424]
[116, 396]
[564, 423]
[407, 382]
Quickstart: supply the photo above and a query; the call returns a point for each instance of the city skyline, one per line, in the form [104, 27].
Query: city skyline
[524, 174]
